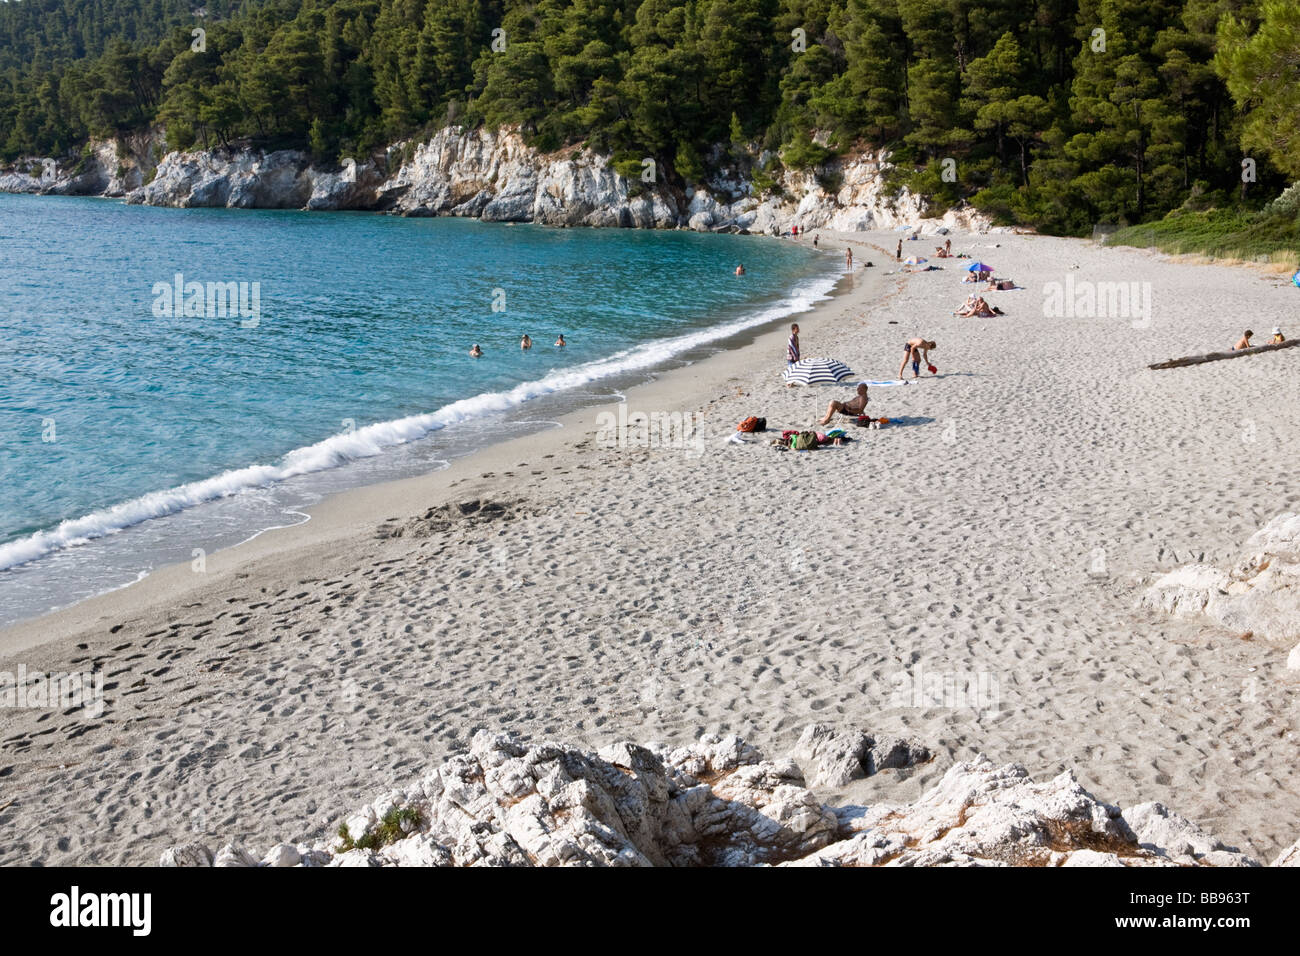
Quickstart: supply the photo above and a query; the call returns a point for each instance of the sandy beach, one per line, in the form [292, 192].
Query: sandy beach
[997, 534]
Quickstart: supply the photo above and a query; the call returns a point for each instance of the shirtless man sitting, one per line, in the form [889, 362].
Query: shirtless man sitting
[854, 406]
[916, 351]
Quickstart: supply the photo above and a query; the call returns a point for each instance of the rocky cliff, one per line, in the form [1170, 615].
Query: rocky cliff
[720, 802]
[491, 175]
[110, 168]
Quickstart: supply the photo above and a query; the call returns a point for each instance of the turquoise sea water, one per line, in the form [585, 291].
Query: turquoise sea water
[130, 437]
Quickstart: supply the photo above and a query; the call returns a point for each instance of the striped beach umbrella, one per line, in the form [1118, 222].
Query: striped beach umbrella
[816, 371]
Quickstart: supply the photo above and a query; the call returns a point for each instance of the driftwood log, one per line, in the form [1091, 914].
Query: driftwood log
[1217, 356]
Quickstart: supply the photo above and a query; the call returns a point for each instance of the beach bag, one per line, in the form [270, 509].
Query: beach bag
[804, 441]
[750, 424]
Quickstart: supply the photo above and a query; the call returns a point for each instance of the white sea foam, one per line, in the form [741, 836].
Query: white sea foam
[373, 439]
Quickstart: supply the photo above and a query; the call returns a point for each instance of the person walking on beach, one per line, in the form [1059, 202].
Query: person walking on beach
[947, 247]
[816, 239]
[1244, 341]
[854, 406]
[916, 351]
[525, 343]
[899, 253]
[559, 343]
[792, 346]
[848, 258]
[476, 352]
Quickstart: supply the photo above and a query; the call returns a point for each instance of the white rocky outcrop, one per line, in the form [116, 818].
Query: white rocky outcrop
[109, 168]
[833, 758]
[492, 175]
[720, 802]
[1260, 593]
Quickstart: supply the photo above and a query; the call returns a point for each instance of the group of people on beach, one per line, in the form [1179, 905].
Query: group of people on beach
[524, 344]
[916, 351]
[1244, 341]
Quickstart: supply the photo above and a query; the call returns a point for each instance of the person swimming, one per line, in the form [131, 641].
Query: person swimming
[476, 352]
[740, 269]
[525, 343]
[560, 343]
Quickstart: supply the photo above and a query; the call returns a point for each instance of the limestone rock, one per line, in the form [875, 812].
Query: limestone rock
[719, 802]
[1165, 833]
[832, 758]
[490, 174]
[1289, 857]
[232, 854]
[1259, 594]
[188, 854]
[283, 854]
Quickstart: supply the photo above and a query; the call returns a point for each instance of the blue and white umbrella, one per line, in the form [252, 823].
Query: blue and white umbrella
[980, 267]
[816, 371]
[1296, 279]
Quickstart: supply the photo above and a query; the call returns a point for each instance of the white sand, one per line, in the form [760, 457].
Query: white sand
[1004, 527]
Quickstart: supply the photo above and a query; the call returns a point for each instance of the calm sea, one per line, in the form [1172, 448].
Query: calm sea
[138, 425]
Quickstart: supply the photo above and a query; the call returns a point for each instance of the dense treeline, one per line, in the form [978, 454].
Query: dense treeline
[1059, 113]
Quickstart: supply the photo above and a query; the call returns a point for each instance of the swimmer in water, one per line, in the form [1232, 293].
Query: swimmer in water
[740, 269]
[525, 343]
[559, 343]
[476, 352]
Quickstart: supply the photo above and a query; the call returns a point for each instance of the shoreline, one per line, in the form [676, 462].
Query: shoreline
[969, 577]
[333, 516]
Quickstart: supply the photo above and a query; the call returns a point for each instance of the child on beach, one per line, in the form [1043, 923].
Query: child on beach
[1244, 341]
[854, 406]
[1278, 337]
[916, 351]
[792, 346]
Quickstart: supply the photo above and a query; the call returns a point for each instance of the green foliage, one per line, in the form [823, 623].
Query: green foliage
[1262, 71]
[803, 153]
[395, 825]
[1226, 233]
[1045, 127]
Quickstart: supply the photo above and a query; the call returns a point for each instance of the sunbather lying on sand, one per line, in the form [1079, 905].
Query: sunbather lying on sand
[854, 406]
[976, 306]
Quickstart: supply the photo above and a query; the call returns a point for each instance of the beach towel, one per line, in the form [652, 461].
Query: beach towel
[886, 383]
